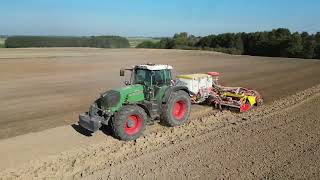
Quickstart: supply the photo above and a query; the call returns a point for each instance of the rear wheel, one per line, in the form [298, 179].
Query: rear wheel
[129, 123]
[176, 111]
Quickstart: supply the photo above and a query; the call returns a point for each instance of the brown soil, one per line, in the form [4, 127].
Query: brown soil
[281, 145]
[46, 88]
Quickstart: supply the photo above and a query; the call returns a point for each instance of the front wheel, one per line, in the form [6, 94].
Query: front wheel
[176, 111]
[129, 123]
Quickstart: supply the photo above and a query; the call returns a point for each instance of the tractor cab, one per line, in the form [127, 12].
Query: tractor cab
[153, 77]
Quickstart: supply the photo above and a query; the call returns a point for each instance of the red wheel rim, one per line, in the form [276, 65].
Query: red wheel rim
[245, 107]
[179, 109]
[132, 125]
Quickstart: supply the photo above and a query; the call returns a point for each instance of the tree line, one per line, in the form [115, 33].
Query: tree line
[59, 41]
[276, 43]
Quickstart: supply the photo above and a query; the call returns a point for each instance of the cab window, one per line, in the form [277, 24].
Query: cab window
[142, 76]
[162, 77]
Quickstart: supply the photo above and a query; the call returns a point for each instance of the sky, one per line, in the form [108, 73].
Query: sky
[156, 18]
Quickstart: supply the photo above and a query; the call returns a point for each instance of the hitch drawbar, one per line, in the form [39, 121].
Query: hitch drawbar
[92, 124]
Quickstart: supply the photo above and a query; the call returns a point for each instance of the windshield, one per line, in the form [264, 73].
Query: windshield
[142, 76]
[159, 77]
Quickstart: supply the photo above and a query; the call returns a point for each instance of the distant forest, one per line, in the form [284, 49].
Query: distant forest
[276, 43]
[59, 41]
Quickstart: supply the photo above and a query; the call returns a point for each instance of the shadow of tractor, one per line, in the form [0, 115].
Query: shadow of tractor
[105, 129]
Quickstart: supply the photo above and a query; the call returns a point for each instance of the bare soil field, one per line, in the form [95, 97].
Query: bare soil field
[281, 145]
[45, 88]
[42, 91]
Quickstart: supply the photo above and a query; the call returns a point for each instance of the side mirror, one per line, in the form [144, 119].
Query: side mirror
[121, 72]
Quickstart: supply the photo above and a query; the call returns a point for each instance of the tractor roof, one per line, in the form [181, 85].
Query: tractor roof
[193, 76]
[154, 67]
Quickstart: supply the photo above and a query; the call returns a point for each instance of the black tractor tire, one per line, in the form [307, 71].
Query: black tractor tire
[176, 110]
[129, 123]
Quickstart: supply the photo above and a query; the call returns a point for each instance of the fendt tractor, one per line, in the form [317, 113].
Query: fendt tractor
[152, 94]
[149, 95]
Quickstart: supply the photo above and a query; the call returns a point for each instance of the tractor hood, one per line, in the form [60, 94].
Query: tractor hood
[113, 100]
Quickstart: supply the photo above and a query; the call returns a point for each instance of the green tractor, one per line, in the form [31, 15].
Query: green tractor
[150, 95]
